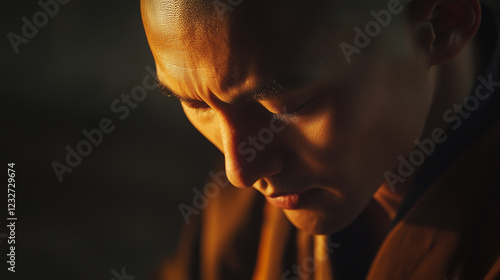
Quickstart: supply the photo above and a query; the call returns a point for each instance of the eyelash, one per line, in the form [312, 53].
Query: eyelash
[293, 114]
[283, 117]
[199, 107]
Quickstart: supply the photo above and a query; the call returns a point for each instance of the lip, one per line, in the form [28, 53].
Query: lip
[288, 201]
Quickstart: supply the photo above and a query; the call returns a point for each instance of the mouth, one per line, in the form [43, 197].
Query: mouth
[287, 201]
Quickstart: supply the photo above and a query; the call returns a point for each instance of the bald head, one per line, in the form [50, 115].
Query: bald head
[194, 10]
[251, 28]
[244, 21]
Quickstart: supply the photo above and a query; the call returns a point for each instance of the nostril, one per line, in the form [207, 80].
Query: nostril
[243, 175]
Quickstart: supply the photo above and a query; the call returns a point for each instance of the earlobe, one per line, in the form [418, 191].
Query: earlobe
[454, 23]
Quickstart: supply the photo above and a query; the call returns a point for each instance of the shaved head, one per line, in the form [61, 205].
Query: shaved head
[253, 28]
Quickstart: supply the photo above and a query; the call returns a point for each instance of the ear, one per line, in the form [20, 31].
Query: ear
[451, 25]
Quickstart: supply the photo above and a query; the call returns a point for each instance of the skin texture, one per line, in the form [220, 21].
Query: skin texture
[345, 123]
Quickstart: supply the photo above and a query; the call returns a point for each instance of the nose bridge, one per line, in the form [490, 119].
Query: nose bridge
[246, 139]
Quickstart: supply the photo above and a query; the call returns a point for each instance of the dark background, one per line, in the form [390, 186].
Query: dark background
[118, 208]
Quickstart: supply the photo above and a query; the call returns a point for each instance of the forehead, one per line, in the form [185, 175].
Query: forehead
[195, 46]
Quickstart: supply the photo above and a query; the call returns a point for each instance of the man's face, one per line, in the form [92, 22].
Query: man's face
[268, 84]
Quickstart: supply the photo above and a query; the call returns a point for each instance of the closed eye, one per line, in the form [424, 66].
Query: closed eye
[194, 104]
[294, 111]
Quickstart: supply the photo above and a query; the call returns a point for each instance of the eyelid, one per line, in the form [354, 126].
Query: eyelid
[295, 108]
[197, 105]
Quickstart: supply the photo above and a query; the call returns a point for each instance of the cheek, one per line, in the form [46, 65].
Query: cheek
[316, 138]
[207, 123]
[318, 130]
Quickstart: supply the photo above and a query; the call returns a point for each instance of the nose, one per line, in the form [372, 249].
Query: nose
[251, 146]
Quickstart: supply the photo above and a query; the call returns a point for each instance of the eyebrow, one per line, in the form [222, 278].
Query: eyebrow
[267, 90]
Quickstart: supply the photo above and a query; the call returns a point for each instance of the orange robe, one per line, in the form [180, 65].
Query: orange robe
[452, 232]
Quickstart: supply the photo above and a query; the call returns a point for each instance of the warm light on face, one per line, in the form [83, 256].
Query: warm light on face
[345, 124]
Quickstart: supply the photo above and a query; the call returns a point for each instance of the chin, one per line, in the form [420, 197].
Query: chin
[316, 222]
[327, 211]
